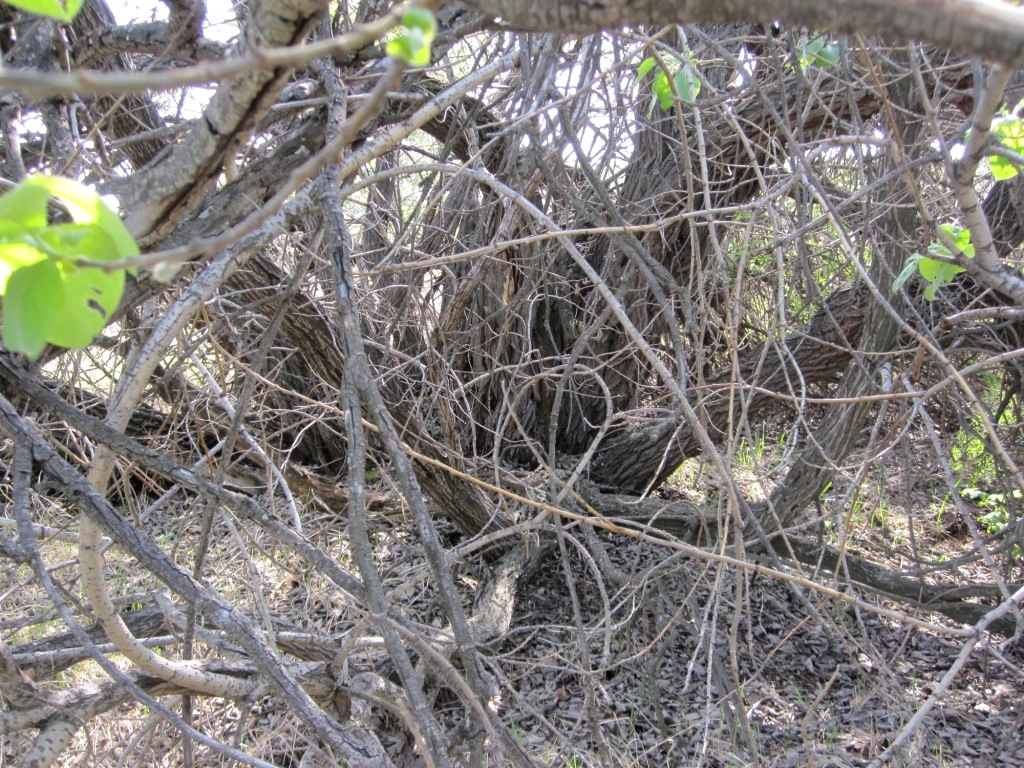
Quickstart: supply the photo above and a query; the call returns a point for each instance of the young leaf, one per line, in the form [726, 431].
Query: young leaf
[685, 78]
[662, 90]
[961, 239]
[936, 271]
[687, 84]
[90, 298]
[420, 18]
[49, 295]
[816, 53]
[14, 256]
[90, 294]
[909, 268]
[1010, 133]
[32, 293]
[412, 44]
[23, 209]
[86, 207]
[645, 66]
[938, 274]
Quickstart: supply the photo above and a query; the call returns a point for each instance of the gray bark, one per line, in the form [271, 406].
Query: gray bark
[994, 31]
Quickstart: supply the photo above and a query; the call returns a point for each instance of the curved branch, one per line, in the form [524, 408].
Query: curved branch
[992, 30]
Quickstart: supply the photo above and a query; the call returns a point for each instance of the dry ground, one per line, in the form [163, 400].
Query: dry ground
[621, 653]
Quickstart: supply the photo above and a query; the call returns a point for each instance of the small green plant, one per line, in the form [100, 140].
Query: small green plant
[412, 43]
[938, 271]
[753, 452]
[997, 517]
[969, 458]
[684, 74]
[517, 733]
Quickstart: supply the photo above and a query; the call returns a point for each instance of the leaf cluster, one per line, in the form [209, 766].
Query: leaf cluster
[683, 74]
[941, 270]
[51, 294]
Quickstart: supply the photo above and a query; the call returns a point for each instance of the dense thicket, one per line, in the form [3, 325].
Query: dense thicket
[434, 326]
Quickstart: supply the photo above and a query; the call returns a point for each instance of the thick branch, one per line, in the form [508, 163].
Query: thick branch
[635, 459]
[687, 522]
[162, 196]
[992, 30]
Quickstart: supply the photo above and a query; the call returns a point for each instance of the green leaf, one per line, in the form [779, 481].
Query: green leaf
[86, 207]
[961, 239]
[1010, 133]
[687, 84]
[90, 294]
[816, 53]
[909, 268]
[974, 494]
[645, 66]
[420, 18]
[13, 256]
[935, 271]
[412, 44]
[90, 298]
[23, 209]
[50, 295]
[1002, 169]
[28, 313]
[55, 9]
[932, 270]
[938, 274]
[662, 90]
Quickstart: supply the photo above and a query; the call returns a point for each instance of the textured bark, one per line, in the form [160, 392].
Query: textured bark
[839, 430]
[991, 30]
[130, 114]
[690, 525]
[954, 602]
[638, 459]
[163, 195]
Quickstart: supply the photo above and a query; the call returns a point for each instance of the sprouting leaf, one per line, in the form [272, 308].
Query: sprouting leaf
[687, 84]
[87, 207]
[23, 209]
[936, 271]
[662, 90]
[90, 294]
[1010, 133]
[645, 66]
[961, 239]
[938, 274]
[817, 53]
[14, 256]
[685, 76]
[61, 10]
[412, 43]
[909, 268]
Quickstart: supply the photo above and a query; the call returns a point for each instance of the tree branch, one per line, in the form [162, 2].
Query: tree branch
[991, 30]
